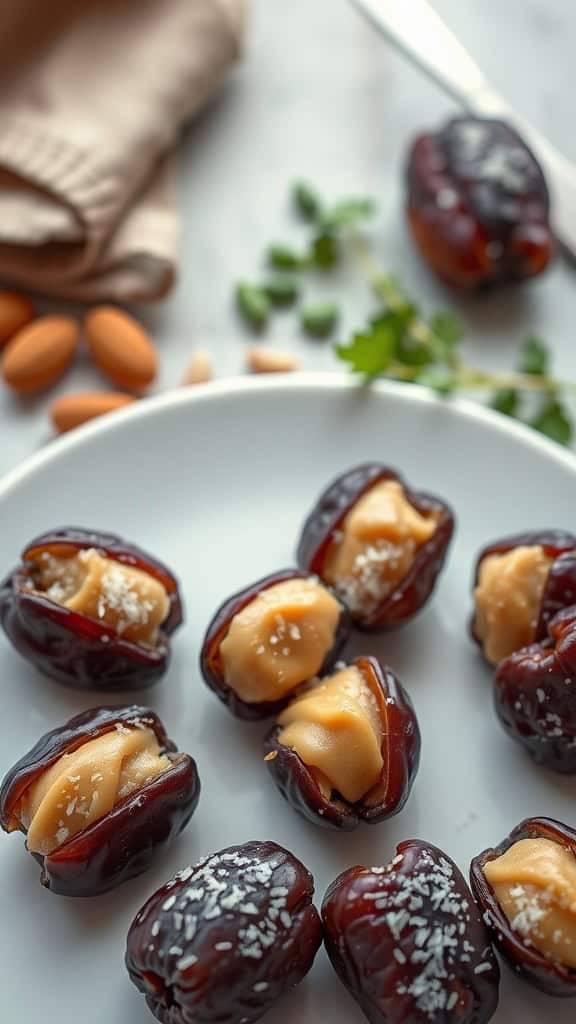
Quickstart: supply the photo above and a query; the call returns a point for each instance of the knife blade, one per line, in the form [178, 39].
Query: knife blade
[415, 28]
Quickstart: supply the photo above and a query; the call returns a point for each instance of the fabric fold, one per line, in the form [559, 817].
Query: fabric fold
[87, 115]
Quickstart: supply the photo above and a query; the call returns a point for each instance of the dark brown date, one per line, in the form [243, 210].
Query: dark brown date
[560, 588]
[222, 941]
[535, 695]
[408, 942]
[124, 843]
[298, 784]
[325, 520]
[71, 647]
[478, 204]
[210, 659]
[524, 959]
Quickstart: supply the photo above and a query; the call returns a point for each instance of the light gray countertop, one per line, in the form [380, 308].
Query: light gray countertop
[321, 96]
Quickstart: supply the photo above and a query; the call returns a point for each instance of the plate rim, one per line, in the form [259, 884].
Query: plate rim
[322, 987]
[152, 405]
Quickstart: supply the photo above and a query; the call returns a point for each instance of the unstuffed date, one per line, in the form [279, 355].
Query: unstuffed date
[408, 942]
[522, 956]
[222, 941]
[81, 650]
[299, 783]
[535, 696]
[478, 204]
[322, 533]
[123, 842]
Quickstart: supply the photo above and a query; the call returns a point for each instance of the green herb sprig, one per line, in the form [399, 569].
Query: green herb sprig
[401, 344]
[398, 341]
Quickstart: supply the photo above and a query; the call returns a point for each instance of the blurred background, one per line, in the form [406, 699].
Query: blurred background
[321, 96]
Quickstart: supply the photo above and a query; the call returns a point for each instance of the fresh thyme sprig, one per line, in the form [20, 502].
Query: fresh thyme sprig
[398, 341]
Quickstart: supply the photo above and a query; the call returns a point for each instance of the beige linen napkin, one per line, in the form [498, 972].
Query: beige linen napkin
[93, 94]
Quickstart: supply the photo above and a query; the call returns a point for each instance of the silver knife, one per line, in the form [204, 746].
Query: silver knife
[418, 31]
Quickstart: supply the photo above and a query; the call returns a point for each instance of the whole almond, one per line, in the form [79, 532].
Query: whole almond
[16, 310]
[120, 346]
[39, 354]
[72, 410]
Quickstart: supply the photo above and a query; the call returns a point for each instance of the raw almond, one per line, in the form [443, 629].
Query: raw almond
[263, 359]
[121, 348]
[16, 310]
[72, 410]
[39, 353]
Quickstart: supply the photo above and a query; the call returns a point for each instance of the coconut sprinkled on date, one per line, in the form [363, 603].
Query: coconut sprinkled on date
[281, 640]
[553, 724]
[118, 594]
[230, 886]
[550, 724]
[482, 968]
[374, 576]
[533, 905]
[502, 162]
[63, 581]
[117, 591]
[428, 918]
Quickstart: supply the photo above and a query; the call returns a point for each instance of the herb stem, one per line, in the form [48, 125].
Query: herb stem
[465, 375]
[478, 380]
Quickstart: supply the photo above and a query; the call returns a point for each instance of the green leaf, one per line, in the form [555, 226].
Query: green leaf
[348, 213]
[306, 200]
[412, 352]
[448, 333]
[253, 305]
[320, 320]
[325, 251]
[284, 257]
[401, 318]
[506, 401]
[370, 352]
[534, 357]
[554, 420]
[282, 291]
[410, 349]
[439, 379]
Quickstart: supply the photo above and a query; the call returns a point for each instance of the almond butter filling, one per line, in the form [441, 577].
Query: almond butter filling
[131, 601]
[534, 883]
[377, 545]
[336, 728]
[508, 599]
[82, 787]
[279, 640]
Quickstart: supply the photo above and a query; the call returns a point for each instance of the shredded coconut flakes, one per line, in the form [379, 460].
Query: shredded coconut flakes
[438, 947]
[374, 575]
[226, 884]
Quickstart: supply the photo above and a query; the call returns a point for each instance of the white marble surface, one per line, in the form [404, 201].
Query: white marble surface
[322, 96]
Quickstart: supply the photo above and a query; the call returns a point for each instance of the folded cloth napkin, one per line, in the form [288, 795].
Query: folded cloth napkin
[93, 95]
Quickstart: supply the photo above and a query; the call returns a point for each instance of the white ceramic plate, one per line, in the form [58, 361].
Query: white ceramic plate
[216, 481]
